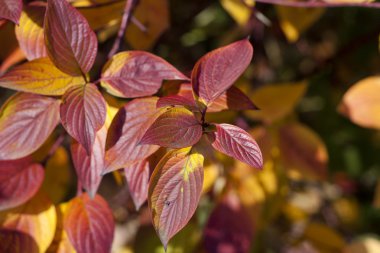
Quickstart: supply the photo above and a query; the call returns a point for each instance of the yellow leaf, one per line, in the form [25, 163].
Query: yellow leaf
[361, 103]
[58, 176]
[211, 173]
[154, 15]
[347, 211]
[368, 244]
[324, 238]
[240, 10]
[294, 21]
[36, 218]
[276, 101]
[39, 76]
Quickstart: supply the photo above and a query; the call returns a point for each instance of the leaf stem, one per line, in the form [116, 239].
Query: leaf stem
[129, 5]
[54, 147]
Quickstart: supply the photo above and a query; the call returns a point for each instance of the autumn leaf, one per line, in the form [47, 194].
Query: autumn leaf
[361, 103]
[239, 10]
[215, 72]
[89, 167]
[30, 33]
[137, 176]
[83, 112]
[19, 181]
[37, 218]
[232, 99]
[228, 228]
[174, 191]
[136, 74]
[39, 76]
[26, 121]
[70, 42]
[125, 132]
[89, 224]
[175, 128]
[13, 241]
[234, 141]
[11, 9]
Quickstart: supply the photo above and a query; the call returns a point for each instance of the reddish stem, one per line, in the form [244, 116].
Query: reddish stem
[123, 26]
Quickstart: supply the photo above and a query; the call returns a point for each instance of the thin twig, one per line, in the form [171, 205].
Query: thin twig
[54, 147]
[129, 5]
[316, 4]
[139, 25]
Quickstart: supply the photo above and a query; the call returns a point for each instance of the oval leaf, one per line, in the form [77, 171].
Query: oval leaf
[175, 128]
[13, 241]
[37, 218]
[237, 143]
[89, 224]
[137, 74]
[39, 76]
[83, 112]
[228, 228]
[19, 181]
[11, 9]
[173, 100]
[232, 99]
[126, 130]
[90, 167]
[302, 149]
[30, 32]
[215, 72]
[26, 121]
[137, 176]
[70, 42]
[174, 191]
[361, 103]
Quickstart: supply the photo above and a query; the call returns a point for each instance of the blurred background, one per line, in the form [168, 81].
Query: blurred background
[319, 190]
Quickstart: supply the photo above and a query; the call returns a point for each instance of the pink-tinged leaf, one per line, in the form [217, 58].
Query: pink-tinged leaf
[70, 42]
[175, 128]
[13, 241]
[90, 167]
[89, 224]
[11, 10]
[30, 33]
[26, 121]
[19, 181]
[137, 176]
[126, 130]
[237, 143]
[215, 72]
[137, 74]
[232, 99]
[229, 228]
[174, 191]
[83, 113]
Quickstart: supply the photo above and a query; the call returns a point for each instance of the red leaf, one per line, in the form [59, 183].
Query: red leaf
[19, 181]
[89, 224]
[30, 33]
[26, 121]
[126, 130]
[70, 42]
[229, 228]
[137, 74]
[90, 167]
[215, 72]
[237, 143]
[83, 113]
[174, 191]
[232, 99]
[175, 128]
[11, 10]
[13, 241]
[137, 176]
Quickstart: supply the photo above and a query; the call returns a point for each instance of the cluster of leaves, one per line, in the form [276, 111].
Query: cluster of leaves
[55, 87]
